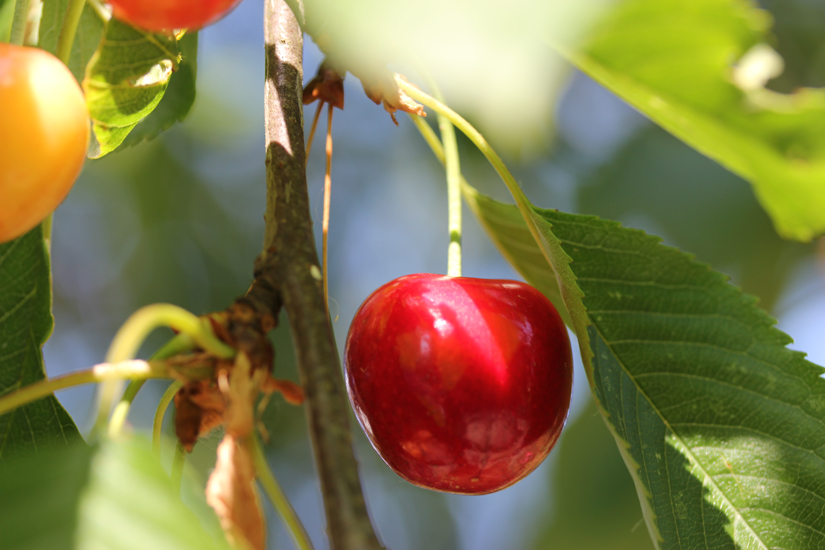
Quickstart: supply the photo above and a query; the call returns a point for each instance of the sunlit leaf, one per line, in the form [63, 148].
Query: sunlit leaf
[89, 31]
[125, 80]
[25, 325]
[115, 496]
[178, 99]
[697, 68]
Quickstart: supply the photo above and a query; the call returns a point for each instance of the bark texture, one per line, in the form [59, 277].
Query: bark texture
[288, 272]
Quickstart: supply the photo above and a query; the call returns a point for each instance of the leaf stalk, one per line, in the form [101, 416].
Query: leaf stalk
[74, 10]
[276, 495]
[103, 372]
[18, 22]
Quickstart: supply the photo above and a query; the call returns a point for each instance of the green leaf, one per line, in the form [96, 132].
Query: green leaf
[6, 16]
[596, 503]
[115, 496]
[39, 496]
[702, 208]
[719, 423]
[178, 99]
[89, 31]
[25, 325]
[674, 61]
[125, 80]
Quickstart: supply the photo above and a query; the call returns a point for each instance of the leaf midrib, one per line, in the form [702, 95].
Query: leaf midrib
[685, 449]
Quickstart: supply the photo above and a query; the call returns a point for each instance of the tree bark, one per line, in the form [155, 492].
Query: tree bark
[288, 272]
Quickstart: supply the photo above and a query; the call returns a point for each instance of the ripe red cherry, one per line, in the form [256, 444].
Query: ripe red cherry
[462, 385]
[159, 15]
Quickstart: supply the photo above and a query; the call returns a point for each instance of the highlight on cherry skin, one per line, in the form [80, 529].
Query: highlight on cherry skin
[167, 15]
[44, 132]
[462, 385]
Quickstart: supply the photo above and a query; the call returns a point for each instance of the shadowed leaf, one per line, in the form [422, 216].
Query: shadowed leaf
[25, 325]
[125, 80]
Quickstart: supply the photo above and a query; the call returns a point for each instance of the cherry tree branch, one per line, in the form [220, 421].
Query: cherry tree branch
[288, 273]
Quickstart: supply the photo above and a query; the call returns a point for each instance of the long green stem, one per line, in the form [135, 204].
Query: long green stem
[122, 409]
[157, 424]
[478, 140]
[18, 22]
[69, 29]
[177, 465]
[453, 183]
[180, 343]
[99, 373]
[131, 335]
[278, 498]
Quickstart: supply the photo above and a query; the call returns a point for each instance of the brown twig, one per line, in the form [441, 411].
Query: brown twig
[288, 271]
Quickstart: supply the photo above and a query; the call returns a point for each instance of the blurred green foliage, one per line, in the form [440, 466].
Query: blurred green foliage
[595, 503]
[179, 219]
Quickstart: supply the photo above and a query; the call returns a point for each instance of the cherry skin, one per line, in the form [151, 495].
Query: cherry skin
[462, 385]
[165, 15]
[44, 131]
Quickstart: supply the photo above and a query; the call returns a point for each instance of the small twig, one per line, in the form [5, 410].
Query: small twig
[288, 270]
[325, 223]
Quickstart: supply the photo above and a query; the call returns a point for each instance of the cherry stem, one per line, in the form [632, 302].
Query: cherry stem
[327, 197]
[179, 344]
[122, 409]
[103, 372]
[18, 22]
[453, 166]
[478, 140]
[157, 423]
[314, 126]
[177, 465]
[135, 330]
[69, 29]
[276, 495]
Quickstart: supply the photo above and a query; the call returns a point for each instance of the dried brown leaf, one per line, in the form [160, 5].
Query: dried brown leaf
[292, 392]
[199, 409]
[327, 87]
[231, 492]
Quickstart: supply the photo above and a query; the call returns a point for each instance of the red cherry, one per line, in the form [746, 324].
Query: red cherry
[462, 385]
[160, 15]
